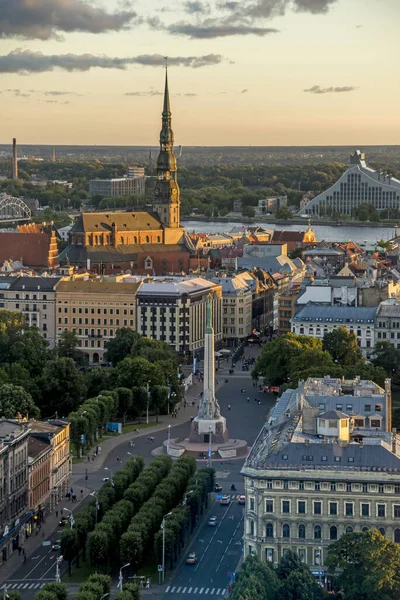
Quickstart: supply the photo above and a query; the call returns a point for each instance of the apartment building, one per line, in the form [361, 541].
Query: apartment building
[14, 512]
[237, 305]
[326, 463]
[55, 433]
[387, 324]
[39, 473]
[94, 308]
[121, 186]
[287, 308]
[34, 296]
[173, 309]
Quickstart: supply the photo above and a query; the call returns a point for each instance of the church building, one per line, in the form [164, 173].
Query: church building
[140, 242]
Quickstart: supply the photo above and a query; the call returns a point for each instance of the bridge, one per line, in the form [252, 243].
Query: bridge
[13, 209]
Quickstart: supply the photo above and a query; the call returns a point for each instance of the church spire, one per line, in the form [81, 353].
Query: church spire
[167, 108]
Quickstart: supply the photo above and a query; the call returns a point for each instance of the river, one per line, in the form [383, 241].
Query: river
[328, 233]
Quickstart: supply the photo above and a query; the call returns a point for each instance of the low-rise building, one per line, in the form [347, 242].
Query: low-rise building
[315, 320]
[56, 432]
[94, 308]
[121, 186]
[325, 464]
[173, 309]
[267, 206]
[39, 471]
[14, 512]
[387, 325]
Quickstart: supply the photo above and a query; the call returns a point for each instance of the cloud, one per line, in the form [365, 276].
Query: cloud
[317, 89]
[194, 7]
[244, 91]
[358, 26]
[216, 31]
[26, 61]
[314, 6]
[190, 95]
[42, 19]
[151, 92]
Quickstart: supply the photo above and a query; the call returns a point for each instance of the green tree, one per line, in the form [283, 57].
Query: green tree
[133, 589]
[159, 399]
[120, 346]
[58, 589]
[14, 595]
[14, 401]
[248, 211]
[68, 347]
[386, 355]
[92, 587]
[97, 548]
[284, 214]
[69, 546]
[124, 402]
[369, 565]
[84, 596]
[45, 595]
[342, 345]
[103, 580]
[63, 387]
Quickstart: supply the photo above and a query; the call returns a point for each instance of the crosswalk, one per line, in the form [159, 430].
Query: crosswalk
[23, 585]
[204, 591]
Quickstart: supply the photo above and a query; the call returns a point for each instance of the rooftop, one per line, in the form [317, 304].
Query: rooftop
[174, 286]
[337, 314]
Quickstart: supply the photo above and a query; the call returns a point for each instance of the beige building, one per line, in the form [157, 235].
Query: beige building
[56, 432]
[39, 469]
[326, 463]
[34, 296]
[173, 309]
[13, 486]
[94, 308]
[237, 307]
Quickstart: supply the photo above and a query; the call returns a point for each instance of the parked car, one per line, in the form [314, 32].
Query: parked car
[212, 521]
[225, 501]
[242, 500]
[191, 559]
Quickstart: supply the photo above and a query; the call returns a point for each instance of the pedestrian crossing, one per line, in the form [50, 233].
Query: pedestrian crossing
[204, 591]
[23, 585]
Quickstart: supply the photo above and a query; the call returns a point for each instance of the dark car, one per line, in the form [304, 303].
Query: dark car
[218, 488]
[63, 521]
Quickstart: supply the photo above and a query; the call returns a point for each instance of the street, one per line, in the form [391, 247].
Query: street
[218, 548]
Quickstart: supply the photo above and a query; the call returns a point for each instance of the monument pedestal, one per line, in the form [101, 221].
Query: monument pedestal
[201, 429]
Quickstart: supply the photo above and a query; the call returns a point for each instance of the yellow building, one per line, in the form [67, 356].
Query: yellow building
[94, 308]
[57, 432]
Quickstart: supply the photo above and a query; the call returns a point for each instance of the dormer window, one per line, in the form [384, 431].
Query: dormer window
[148, 263]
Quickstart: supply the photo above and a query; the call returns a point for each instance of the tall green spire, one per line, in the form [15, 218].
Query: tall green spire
[166, 109]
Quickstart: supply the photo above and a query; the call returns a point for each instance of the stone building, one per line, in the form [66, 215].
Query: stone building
[94, 308]
[237, 308]
[14, 513]
[39, 470]
[326, 463]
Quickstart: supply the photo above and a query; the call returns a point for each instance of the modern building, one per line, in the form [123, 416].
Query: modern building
[387, 324]
[174, 310]
[94, 308]
[35, 297]
[325, 464]
[39, 472]
[315, 320]
[135, 171]
[14, 512]
[237, 308]
[56, 433]
[151, 243]
[359, 184]
[270, 205]
[120, 186]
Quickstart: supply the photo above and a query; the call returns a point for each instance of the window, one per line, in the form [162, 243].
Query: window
[317, 508]
[381, 531]
[378, 407]
[396, 511]
[365, 487]
[339, 406]
[333, 533]
[349, 407]
[302, 555]
[302, 532]
[348, 509]
[381, 489]
[285, 485]
[301, 485]
[252, 504]
[317, 486]
[269, 484]
[285, 506]
[381, 510]
[286, 531]
[375, 423]
[317, 532]
[359, 422]
[367, 408]
[333, 508]
[269, 530]
[397, 489]
[251, 527]
[349, 529]
[301, 507]
[348, 487]
[364, 529]
[269, 506]
[397, 536]
[365, 510]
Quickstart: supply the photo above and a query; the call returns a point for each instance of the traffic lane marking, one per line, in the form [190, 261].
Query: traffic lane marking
[36, 566]
[230, 542]
[213, 536]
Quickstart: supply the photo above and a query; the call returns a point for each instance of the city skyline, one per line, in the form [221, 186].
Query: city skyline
[92, 74]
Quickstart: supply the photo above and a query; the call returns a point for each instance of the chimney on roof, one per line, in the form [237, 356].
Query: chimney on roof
[14, 160]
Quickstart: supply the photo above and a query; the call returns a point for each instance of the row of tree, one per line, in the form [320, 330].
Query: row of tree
[291, 357]
[74, 539]
[96, 587]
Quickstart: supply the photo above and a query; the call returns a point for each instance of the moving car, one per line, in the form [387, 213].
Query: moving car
[212, 521]
[218, 487]
[191, 559]
[242, 500]
[56, 547]
[225, 501]
[63, 521]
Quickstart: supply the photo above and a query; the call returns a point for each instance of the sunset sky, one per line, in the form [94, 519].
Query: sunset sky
[246, 72]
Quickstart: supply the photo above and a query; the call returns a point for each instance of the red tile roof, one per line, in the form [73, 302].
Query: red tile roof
[31, 248]
[288, 236]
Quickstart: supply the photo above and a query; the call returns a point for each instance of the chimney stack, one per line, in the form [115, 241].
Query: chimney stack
[14, 160]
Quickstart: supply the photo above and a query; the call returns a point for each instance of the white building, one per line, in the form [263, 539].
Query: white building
[315, 320]
[359, 184]
[121, 186]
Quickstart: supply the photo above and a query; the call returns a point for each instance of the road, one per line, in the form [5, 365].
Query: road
[219, 550]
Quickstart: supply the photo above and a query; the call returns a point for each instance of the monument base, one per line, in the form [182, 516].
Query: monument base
[201, 429]
[230, 449]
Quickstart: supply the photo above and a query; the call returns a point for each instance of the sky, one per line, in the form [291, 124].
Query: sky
[245, 72]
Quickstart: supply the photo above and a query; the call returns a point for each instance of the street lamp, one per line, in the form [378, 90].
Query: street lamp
[71, 517]
[169, 438]
[58, 578]
[185, 497]
[320, 564]
[148, 402]
[209, 446]
[111, 475]
[120, 582]
[94, 494]
[104, 595]
[163, 544]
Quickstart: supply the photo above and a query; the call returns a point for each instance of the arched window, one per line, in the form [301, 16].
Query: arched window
[135, 239]
[286, 531]
[317, 532]
[397, 536]
[381, 531]
[364, 529]
[333, 533]
[349, 529]
[302, 532]
[147, 239]
[269, 530]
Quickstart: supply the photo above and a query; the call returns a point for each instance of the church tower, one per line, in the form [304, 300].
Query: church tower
[166, 192]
